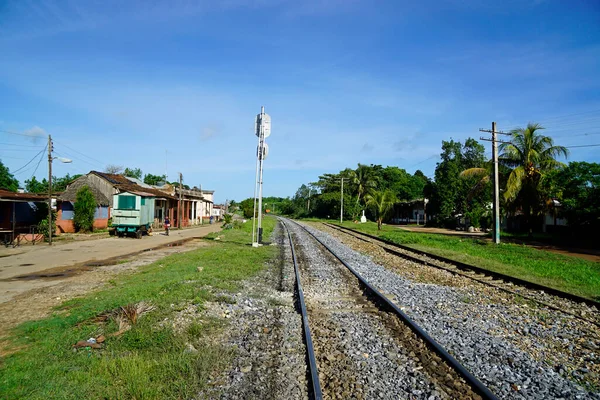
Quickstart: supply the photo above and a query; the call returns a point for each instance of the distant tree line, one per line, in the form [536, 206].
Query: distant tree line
[532, 179]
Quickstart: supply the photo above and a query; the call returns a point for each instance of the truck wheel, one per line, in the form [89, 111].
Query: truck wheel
[138, 234]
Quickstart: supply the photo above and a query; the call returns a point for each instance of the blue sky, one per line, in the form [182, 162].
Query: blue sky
[348, 81]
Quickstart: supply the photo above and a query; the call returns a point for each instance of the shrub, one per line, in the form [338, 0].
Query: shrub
[84, 210]
[227, 218]
[43, 225]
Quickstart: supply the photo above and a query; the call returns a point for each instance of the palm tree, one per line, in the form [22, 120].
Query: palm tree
[530, 155]
[364, 181]
[382, 202]
[483, 175]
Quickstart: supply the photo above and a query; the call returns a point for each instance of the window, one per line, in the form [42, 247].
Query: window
[143, 201]
[67, 210]
[126, 202]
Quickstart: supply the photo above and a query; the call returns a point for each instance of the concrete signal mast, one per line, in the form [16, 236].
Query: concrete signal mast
[262, 129]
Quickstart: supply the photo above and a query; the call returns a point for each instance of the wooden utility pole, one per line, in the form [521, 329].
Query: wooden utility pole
[496, 186]
[496, 204]
[50, 190]
[179, 204]
[342, 203]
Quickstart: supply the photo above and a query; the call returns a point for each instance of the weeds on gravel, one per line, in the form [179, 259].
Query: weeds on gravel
[570, 274]
[151, 359]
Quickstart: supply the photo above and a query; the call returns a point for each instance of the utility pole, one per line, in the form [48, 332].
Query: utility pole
[496, 204]
[308, 203]
[179, 204]
[50, 190]
[342, 203]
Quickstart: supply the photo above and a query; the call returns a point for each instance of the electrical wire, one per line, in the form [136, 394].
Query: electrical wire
[20, 145]
[561, 118]
[20, 134]
[421, 162]
[29, 162]
[583, 145]
[84, 155]
[38, 164]
[13, 158]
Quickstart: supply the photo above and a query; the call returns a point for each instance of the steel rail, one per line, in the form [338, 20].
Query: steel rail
[314, 372]
[466, 267]
[477, 386]
[459, 271]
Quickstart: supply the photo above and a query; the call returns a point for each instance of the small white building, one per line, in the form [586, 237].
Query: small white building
[217, 212]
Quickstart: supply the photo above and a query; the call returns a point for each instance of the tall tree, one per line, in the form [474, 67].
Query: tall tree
[577, 187]
[150, 179]
[363, 180]
[449, 195]
[60, 184]
[531, 155]
[133, 173]
[7, 180]
[382, 203]
[34, 186]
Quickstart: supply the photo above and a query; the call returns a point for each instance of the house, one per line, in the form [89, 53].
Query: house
[195, 205]
[218, 211]
[19, 213]
[104, 186]
[66, 204]
[409, 212]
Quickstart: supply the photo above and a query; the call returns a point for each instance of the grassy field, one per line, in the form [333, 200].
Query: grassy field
[148, 361]
[570, 274]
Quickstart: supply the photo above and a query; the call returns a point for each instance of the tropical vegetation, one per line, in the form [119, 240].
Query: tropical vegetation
[84, 210]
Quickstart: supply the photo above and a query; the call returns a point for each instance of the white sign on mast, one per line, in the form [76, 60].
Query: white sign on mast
[262, 129]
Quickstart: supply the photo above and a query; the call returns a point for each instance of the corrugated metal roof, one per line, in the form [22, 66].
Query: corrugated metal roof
[7, 195]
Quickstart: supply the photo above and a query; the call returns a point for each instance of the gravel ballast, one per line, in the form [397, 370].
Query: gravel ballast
[362, 352]
[480, 335]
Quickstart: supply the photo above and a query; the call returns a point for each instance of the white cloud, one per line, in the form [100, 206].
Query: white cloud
[36, 133]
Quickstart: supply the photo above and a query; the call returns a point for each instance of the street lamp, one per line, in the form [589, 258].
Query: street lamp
[50, 159]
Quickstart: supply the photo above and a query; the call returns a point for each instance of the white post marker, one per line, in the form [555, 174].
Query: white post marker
[262, 129]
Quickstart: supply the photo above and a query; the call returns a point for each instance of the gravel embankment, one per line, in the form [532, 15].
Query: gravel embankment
[518, 352]
[361, 352]
[265, 334]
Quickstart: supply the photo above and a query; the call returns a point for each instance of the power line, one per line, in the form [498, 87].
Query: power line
[582, 134]
[583, 145]
[421, 162]
[29, 162]
[84, 155]
[14, 133]
[13, 158]
[68, 155]
[38, 164]
[20, 145]
[563, 119]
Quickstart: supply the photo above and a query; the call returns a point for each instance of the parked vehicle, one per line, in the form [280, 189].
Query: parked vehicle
[133, 213]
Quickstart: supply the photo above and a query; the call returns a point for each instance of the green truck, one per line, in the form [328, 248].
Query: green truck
[133, 213]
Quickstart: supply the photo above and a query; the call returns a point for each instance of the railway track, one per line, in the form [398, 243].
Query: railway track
[364, 345]
[579, 307]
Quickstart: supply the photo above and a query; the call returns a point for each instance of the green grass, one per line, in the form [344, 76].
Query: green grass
[570, 274]
[148, 361]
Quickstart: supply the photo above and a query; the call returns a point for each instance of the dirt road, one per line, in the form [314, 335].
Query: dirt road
[33, 267]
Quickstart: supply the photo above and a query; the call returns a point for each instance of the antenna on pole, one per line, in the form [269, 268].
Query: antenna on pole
[262, 129]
